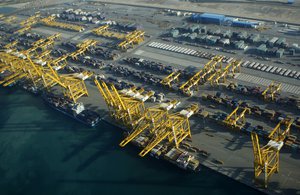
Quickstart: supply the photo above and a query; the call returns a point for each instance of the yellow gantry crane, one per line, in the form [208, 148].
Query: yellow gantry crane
[155, 120]
[82, 48]
[222, 74]
[11, 45]
[101, 29]
[12, 64]
[10, 19]
[104, 31]
[128, 40]
[44, 56]
[31, 20]
[28, 23]
[270, 92]
[209, 68]
[281, 130]
[237, 117]
[126, 107]
[266, 158]
[133, 38]
[50, 21]
[19, 64]
[173, 77]
[22, 30]
[110, 101]
[152, 119]
[175, 129]
[43, 74]
[42, 44]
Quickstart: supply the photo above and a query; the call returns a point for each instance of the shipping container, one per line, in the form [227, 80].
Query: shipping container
[159, 45]
[229, 60]
[282, 71]
[264, 68]
[193, 52]
[278, 70]
[163, 47]
[256, 65]
[287, 72]
[168, 47]
[151, 44]
[245, 64]
[251, 65]
[173, 48]
[259, 66]
[244, 24]
[273, 69]
[292, 74]
[269, 68]
[186, 51]
[180, 49]
[297, 75]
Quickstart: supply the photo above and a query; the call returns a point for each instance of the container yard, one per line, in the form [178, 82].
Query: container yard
[191, 89]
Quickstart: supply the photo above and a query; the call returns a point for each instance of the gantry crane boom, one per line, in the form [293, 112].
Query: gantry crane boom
[162, 134]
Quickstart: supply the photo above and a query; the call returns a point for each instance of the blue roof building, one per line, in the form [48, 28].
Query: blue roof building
[208, 18]
[222, 20]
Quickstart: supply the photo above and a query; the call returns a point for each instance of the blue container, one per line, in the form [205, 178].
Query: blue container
[244, 24]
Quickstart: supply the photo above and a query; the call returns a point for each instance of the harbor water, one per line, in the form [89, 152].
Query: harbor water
[45, 152]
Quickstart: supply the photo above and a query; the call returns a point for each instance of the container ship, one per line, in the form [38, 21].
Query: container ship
[73, 110]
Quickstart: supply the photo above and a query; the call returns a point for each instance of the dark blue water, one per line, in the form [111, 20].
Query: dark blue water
[44, 152]
[6, 10]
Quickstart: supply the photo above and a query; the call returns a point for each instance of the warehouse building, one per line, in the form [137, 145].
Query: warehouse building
[262, 49]
[272, 41]
[222, 20]
[279, 53]
[254, 38]
[174, 33]
[239, 45]
[208, 18]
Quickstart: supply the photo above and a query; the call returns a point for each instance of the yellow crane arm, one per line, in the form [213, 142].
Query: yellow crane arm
[139, 129]
[155, 142]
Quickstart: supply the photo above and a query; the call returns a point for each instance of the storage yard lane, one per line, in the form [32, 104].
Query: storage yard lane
[266, 82]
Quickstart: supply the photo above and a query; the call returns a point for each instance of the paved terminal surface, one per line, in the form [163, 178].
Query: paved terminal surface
[266, 82]
[169, 59]
[234, 149]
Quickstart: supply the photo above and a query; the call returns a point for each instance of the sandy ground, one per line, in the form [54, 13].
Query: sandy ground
[263, 11]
